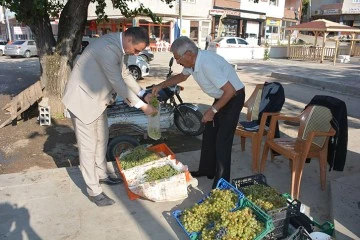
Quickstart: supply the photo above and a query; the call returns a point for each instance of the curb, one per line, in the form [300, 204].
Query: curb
[329, 86]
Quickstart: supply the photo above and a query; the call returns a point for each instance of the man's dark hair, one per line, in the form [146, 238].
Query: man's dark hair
[138, 35]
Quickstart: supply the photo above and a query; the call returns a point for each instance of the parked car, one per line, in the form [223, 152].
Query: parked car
[2, 47]
[147, 54]
[22, 48]
[227, 42]
[235, 48]
[137, 66]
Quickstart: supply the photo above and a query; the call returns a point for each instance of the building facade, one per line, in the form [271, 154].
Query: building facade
[346, 12]
[194, 23]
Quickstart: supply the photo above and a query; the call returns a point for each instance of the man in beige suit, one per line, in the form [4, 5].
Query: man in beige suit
[97, 76]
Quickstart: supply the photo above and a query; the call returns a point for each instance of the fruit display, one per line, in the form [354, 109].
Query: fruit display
[240, 224]
[264, 196]
[138, 156]
[202, 214]
[158, 173]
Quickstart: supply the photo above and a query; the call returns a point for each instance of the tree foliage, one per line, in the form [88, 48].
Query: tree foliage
[57, 56]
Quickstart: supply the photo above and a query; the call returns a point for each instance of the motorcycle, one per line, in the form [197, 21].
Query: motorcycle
[126, 123]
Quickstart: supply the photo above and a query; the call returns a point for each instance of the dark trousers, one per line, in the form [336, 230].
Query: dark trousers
[206, 45]
[217, 140]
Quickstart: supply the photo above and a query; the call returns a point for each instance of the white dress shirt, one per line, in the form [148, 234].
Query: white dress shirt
[212, 72]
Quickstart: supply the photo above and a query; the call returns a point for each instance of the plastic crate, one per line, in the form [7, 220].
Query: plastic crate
[250, 180]
[222, 184]
[280, 216]
[260, 216]
[298, 219]
[161, 149]
[300, 234]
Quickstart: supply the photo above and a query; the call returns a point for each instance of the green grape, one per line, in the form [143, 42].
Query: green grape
[138, 156]
[264, 196]
[158, 173]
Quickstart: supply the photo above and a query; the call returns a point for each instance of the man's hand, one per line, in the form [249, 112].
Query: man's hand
[208, 116]
[148, 97]
[148, 109]
[156, 89]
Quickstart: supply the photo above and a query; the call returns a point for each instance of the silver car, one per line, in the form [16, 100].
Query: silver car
[22, 48]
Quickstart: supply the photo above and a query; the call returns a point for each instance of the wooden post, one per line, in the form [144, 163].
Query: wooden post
[336, 50]
[288, 48]
[352, 43]
[323, 47]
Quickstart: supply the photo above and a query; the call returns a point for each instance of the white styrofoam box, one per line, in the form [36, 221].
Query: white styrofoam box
[169, 189]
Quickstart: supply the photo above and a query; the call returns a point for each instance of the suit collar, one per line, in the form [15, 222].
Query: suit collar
[121, 43]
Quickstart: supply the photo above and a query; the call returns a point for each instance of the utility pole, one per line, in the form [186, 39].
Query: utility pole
[7, 23]
[180, 15]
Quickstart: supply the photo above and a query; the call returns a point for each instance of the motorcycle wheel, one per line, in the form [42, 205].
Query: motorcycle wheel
[119, 145]
[191, 125]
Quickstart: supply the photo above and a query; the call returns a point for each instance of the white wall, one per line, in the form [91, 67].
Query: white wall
[265, 7]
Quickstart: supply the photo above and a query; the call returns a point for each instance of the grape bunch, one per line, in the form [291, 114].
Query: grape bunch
[158, 173]
[138, 156]
[198, 217]
[240, 224]
[154, 102]
[264, 196]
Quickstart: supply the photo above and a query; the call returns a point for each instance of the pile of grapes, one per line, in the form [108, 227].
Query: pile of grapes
[158, 173]
[138, 156]
[241, 224]
[264, 196]
[202, 214]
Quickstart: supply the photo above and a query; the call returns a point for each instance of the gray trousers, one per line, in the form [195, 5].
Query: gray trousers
[92, 140]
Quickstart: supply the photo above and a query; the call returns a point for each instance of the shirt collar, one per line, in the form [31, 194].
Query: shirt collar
[121, 43]
[198, 60]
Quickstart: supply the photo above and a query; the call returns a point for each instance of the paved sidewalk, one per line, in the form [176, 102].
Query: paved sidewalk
[340, 78]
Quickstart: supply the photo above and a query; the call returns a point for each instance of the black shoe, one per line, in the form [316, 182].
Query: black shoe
[101, 200]
[111, 181]
[198, 174]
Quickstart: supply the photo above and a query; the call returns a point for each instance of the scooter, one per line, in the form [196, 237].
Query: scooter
[126, 124]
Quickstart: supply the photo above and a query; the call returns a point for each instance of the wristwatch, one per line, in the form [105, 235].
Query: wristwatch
[213, 109]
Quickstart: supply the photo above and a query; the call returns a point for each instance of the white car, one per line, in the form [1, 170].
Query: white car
[235, 48]
[137, 66]
[2, 47]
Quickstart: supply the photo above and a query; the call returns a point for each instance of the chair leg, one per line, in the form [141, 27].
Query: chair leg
[293, 165]
[263, 157]
[255, 155]
[322, 162]
[242, 142]
[299, 166]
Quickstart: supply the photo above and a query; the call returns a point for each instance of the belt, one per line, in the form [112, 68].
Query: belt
[240, 91]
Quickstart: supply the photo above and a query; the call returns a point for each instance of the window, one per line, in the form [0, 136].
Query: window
[242, 42]
[31, 43]
[273, 2]
[192, 1]
[355, 1]
[231, 41]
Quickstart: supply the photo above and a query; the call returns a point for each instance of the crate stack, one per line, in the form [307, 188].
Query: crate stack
[242, 202]
[281, 216]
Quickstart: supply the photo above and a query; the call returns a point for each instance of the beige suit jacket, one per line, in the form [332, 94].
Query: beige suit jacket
[96, 76]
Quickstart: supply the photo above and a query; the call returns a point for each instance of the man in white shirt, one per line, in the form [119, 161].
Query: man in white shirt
[98, 75]
[218, 79]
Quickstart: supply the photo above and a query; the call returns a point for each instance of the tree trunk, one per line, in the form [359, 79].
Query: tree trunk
[56, 66]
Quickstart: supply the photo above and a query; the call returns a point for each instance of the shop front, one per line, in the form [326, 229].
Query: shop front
[237, 23]
[272, 31]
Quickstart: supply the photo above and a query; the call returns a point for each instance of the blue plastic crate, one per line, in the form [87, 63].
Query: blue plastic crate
[223, 185]
[260, 216]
